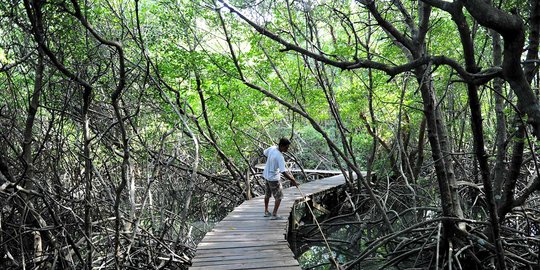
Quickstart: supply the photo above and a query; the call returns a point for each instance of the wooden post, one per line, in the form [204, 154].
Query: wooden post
[248, 188]
[292, 232]
[38, 247]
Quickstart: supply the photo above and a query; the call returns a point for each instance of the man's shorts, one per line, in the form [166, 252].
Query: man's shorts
[273, 188]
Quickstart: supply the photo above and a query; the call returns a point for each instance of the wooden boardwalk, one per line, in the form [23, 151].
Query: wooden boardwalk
[245, 239]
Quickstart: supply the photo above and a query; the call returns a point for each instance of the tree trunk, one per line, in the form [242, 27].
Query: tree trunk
[444, 170]
[500, 139]
[28, 164]
[478, 131]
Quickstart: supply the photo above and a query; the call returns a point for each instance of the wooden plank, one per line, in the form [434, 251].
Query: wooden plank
[241, 238]
[251, 261]
[280, 249]
[248, 230]
[266, 256]
[233, 245]
[246, 234]
[248, 264]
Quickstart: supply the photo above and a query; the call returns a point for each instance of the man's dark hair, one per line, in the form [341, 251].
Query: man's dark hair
[284, 142]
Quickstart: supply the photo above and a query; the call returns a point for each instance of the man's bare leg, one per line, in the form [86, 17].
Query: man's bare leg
[276, 207]
[266, 201]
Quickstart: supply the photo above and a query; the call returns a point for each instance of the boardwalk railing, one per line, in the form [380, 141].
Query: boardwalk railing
[245, 239]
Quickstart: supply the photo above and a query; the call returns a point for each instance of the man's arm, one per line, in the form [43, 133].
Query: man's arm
[289, 176]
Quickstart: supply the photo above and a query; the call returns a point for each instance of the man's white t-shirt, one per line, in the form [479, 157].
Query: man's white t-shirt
[275, 164]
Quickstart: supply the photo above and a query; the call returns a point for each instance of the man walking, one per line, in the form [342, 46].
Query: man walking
[275, 166]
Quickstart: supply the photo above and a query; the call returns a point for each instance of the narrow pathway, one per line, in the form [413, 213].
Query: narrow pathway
[245, 239]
